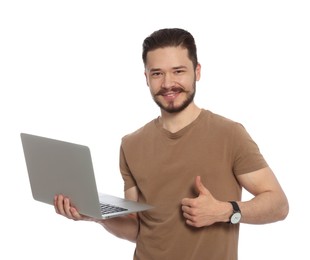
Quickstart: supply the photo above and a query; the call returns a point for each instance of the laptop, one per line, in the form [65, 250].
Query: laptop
[59, 167]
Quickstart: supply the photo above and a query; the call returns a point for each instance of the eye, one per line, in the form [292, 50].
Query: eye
[156, 74]
[179, 71]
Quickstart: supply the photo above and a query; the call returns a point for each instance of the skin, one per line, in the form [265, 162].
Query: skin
[171, 78]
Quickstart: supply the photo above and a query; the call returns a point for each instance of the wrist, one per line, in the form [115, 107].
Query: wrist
[227, 211]
[235, 217]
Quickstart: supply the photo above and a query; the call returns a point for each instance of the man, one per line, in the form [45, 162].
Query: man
[189, 163]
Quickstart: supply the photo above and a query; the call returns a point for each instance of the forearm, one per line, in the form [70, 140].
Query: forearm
[125, 227]
[267, 207]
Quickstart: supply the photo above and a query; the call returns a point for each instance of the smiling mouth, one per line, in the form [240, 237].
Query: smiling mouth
[169, 93]
[171, 96]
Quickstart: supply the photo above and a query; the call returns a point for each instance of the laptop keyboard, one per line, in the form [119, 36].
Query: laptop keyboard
[108, 208]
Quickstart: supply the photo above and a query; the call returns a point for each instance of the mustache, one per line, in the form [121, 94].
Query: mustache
[164, 91]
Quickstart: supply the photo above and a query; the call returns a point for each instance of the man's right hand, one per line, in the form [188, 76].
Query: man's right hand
[125, 227]
[64, 207]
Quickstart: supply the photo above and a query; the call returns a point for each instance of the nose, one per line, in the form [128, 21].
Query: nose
[168, 81]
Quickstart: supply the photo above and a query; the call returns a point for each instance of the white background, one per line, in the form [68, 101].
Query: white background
[72, 70]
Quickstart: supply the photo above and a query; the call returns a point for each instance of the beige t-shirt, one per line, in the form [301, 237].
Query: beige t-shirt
[164, 165]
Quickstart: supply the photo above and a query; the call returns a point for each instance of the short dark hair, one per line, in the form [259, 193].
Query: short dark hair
[171, 37]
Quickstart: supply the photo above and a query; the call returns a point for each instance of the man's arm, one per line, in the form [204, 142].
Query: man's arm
[268, 205]
[125, 227]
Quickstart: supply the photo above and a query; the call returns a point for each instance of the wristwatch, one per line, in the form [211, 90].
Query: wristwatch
[236, 215]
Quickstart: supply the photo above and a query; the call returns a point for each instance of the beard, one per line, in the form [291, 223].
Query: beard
[171, 107]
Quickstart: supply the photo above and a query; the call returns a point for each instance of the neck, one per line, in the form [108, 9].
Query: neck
[174, 122]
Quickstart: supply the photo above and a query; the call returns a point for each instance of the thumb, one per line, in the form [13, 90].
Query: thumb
[201, 189]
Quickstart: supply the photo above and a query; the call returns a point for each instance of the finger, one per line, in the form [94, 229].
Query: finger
[193, 223]
[59, 207]
[187, 202]
[191, 220]
[187, 216]
[186, 209]
[75, 214]
[55, 204]
[68, 208]
[201, 189]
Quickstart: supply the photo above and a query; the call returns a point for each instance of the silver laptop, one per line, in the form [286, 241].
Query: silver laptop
[58, 167]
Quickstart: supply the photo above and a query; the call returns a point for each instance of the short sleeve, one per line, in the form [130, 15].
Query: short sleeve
[129, 181]
[246, 154]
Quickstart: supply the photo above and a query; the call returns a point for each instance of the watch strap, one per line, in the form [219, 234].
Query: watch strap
[235, 206]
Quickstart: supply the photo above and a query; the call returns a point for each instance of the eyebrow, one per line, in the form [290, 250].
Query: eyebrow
[174, 68]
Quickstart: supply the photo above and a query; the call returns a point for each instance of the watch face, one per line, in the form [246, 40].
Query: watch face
[235, 218]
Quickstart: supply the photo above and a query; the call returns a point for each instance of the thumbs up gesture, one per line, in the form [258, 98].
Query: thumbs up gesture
[204, 210]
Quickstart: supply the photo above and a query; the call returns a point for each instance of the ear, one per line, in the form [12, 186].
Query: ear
[198, 71]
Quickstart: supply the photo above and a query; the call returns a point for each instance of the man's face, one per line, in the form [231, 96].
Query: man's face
[171, 78]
